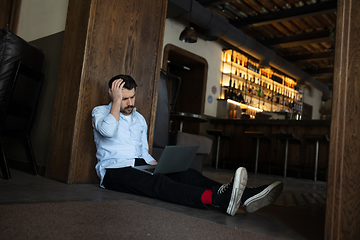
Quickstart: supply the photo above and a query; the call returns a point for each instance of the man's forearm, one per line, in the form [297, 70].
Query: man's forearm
[115, 93]
[115, 109]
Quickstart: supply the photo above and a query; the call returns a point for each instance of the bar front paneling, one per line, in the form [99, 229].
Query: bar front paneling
[241, 150]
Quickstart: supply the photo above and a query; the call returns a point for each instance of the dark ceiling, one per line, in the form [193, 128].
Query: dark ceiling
[300, 31]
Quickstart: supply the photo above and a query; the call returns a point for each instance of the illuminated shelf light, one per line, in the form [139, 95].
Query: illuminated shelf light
[244, 105]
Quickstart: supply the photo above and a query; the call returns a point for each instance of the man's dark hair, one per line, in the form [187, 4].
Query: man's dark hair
[129, 81]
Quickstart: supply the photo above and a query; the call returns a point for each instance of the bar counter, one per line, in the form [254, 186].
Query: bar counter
[270, 122]
[240, 151]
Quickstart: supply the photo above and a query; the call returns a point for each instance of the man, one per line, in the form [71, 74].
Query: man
[120, 135]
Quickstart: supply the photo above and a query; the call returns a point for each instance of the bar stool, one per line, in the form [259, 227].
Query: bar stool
[257, 136]
[315, 138]
[218, 134]
[287, 138]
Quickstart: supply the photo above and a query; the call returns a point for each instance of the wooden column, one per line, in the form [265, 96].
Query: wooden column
[102, 39]
[9, 14]
[343, 199]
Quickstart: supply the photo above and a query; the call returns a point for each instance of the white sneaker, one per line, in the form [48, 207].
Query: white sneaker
[255, 198]
[228, 196]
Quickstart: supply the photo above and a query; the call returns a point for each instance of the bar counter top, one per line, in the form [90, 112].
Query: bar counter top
[270, 122]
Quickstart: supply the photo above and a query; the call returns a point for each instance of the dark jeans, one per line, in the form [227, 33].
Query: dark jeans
[185, 188]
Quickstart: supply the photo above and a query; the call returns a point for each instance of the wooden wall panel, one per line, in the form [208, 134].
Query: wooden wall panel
[111, 37]
[343, 199]
[9, 14]
[67, 92]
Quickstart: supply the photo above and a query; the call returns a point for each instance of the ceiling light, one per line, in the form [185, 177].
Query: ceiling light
[188, 35]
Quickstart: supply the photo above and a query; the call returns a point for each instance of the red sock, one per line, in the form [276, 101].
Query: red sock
[206, 198]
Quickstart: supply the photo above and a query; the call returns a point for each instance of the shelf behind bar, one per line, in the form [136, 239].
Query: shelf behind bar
[267, 80]
[243, 105]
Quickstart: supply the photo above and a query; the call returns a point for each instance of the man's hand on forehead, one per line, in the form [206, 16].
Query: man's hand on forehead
[119, 83]
[116, 89]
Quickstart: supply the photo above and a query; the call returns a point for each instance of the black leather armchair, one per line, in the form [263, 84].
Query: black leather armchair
[20, 83]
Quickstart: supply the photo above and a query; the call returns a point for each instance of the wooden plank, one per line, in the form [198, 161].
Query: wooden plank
[9, 14]
[112, 37]
[67, 92]
[321, 72]
[289, 14]
[343, 198]
[310, 56]
[298, 39]
[208, 3]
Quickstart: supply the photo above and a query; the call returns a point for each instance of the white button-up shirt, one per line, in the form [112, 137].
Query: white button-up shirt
[118, 143]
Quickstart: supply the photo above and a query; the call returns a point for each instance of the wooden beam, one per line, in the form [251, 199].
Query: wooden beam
[112, 37]
[326, 80]
[286, 15]
[208, 3]
[343, 188]
[310, 56]
[299, 39]
[321, 71]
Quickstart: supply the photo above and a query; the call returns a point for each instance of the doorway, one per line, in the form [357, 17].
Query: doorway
[192, 69]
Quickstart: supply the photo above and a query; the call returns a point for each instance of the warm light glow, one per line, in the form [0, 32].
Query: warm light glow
[227, 69]
[244, 105]
[256, 109]
[237, 103]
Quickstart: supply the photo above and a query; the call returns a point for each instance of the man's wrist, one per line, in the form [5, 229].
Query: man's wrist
[116, 101]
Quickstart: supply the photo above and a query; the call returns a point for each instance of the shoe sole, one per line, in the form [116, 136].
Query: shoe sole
[264, 198]
[240, 180]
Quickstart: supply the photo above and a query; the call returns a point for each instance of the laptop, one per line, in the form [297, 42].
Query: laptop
[177, 158]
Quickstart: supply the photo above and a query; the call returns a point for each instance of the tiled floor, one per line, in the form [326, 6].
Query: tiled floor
[299, 213]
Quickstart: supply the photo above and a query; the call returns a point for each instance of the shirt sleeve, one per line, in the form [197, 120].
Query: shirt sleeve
[104, 122]
[145, 146]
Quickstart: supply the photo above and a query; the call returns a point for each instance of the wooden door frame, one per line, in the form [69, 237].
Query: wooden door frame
[200, 70]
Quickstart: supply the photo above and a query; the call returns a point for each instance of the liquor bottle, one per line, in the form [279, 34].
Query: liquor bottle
[241, 98]
[277, 99]
[233, 96]
[229, 90]
[291, 104]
